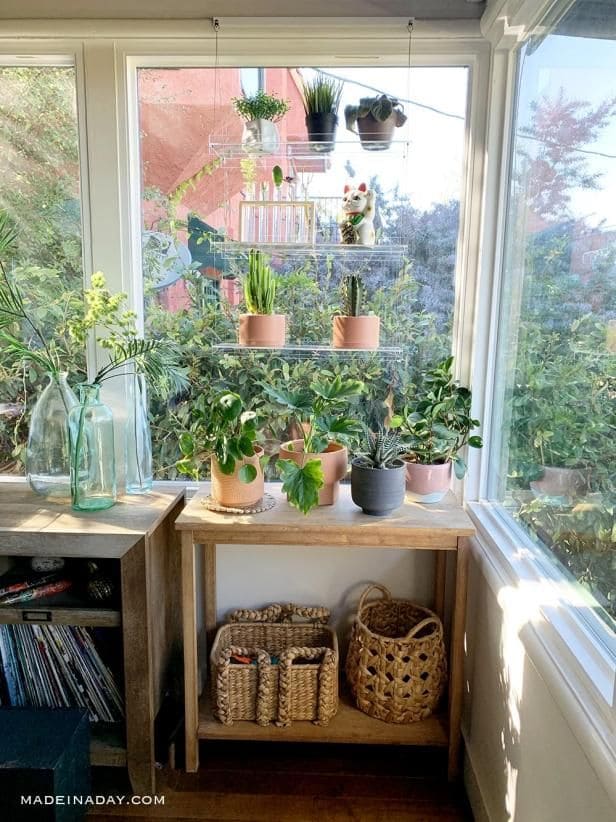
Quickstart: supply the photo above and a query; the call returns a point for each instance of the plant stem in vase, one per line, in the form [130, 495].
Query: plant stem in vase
[138, 439]
[93, 476]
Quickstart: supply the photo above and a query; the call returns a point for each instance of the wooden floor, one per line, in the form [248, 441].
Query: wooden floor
[255, 782]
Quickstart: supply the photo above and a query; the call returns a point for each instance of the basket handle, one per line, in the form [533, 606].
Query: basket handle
[264, 684]
[421, 625]
[281, 613]
[375, 585]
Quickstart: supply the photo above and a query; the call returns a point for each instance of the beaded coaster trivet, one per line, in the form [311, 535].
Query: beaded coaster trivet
[266, 503]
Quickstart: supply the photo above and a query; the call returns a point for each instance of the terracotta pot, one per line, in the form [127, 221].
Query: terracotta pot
[229, 490]
[356, 332]
[560, 485]
[334, 462]
[427, 483]
[376, 135]
[263, 330]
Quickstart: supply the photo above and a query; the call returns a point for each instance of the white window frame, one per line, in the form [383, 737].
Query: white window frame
[572, 648]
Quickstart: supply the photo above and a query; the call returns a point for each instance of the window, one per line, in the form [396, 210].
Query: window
[206, 200]
[553, 459]
[39, 188]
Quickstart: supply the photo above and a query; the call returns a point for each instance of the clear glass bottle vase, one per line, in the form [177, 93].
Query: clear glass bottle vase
[93, 474]
[48, 453]
[138, 454]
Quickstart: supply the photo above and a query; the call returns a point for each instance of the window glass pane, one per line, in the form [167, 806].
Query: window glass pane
[207, 198]
[39, 188]
[554, 455]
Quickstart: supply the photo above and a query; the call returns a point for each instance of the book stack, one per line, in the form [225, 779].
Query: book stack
[57, 666]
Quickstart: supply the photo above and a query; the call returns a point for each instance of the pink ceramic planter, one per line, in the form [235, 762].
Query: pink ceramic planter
[334, 462]
[427, 483]
[229, 490]
[263, 330]
[560, 484]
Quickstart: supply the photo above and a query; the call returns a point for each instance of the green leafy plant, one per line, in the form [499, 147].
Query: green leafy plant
[219, 429]
[259, 284]
[381, 108]
[380, 449]
[321, 95]
[438, 424]
[319, 412]
[353, 291]
[260, 106]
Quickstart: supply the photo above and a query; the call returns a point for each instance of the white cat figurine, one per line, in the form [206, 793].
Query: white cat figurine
[358, 207]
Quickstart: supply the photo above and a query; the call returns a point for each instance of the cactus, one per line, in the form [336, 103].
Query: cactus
[259, 284]
[352, 295]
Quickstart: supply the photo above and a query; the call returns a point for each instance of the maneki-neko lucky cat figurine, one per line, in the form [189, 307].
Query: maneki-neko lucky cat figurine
[358, 210]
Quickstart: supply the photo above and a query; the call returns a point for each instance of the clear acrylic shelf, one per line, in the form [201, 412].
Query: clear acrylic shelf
[305, 149]
[386, 251]
[306, 350]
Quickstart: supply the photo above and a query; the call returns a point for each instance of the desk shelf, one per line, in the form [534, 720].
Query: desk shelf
[349, 725]
[39, 613]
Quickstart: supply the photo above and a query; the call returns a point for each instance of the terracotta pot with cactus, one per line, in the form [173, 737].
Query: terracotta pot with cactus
[352, 329]
[261, 327]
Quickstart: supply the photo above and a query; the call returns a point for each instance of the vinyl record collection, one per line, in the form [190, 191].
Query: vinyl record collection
[56, 666]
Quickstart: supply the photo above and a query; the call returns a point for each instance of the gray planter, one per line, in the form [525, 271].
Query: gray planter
[378, 491]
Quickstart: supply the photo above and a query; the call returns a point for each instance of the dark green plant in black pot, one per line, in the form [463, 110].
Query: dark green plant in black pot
[321, 98]
[374, 119]
[378, 473]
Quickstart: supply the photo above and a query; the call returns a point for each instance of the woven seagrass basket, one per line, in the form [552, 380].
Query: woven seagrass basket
[300, 683]
[396, 666]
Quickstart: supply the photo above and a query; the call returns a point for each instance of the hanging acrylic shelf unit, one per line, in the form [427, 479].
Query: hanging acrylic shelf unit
[308, 351]
[304, 149]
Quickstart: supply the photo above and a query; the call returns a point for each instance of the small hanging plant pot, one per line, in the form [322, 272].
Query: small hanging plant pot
[321, 127]
[263, 330]
[361, 332]
[375, 119]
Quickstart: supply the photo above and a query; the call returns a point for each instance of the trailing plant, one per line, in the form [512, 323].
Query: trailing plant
[219, 429]
[353, 291]
[381, 108]
[319, 412]
[380, 449]
[259, 284]
[438, 424]
[260, 106]
[321, 95]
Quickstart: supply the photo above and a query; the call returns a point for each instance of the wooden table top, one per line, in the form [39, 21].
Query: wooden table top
[33, 521]
[414, 525]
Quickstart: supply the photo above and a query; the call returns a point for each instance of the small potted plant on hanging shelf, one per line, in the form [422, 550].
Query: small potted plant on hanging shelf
[436, 428]
[375, 118]
[260, 327]
[261, 112]
[313, 465]
[321, 98]
[221, 431]
[378, 474]
[352, 329]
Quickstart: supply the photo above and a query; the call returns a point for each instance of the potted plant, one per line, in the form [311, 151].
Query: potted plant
[221, 431]
[260, 326]
[321, 98]
[436, 429]
[352, 329]
[375, 118]
[313, 465]
[261, 112]
[378, 474]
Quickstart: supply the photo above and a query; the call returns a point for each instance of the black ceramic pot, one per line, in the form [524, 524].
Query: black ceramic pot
[378, 491]
[321, 128]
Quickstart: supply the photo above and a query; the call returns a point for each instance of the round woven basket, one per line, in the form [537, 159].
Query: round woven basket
[396, 666]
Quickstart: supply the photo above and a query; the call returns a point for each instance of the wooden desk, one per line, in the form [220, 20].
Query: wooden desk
[440, 528]
[138, 531]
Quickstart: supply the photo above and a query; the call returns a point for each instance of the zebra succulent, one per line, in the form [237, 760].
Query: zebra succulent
[259, 284]
[352, 295]
[380, 449]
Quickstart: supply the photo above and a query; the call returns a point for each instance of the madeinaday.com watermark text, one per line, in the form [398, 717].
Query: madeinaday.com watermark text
[38, 800]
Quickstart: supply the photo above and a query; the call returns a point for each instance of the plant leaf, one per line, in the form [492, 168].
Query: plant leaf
[302, 483]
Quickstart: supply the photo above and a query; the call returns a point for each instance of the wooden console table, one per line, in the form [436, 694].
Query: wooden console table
[138, 532]
[441, 528]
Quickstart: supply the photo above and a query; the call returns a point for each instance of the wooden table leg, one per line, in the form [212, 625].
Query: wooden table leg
[209, 586]
[191, 669]
[440, 576]
[456, 676]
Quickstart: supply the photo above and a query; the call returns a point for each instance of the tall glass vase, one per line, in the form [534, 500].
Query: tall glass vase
[138, 439]
[93, 475]
[48, 454]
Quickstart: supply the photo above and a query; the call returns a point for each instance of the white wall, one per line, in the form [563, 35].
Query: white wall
[527, 764]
